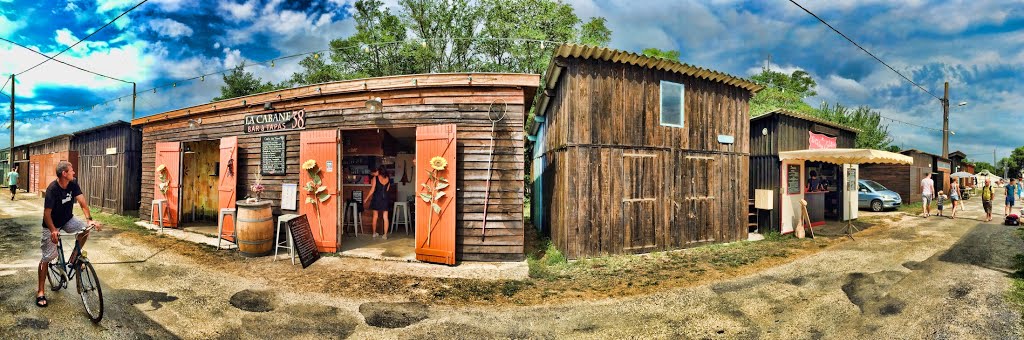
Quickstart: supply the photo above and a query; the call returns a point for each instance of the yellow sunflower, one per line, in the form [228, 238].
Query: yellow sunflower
[310, 164]
[160, 168]
[438, 163]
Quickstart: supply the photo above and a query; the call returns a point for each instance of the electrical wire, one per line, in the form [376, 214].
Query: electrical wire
[863, 49]
[83, 39]
[59, 61]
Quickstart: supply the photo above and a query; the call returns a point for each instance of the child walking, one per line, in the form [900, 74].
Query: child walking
[940, 202]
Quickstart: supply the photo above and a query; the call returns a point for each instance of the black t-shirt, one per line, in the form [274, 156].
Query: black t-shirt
[62, 201]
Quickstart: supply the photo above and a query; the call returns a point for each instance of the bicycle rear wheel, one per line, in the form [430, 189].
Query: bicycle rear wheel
[89, 288]
[55, 275]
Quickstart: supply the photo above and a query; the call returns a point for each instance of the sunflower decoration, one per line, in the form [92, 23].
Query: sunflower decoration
[438, 163]
[316, 190]
[165, 183]
[433, 190]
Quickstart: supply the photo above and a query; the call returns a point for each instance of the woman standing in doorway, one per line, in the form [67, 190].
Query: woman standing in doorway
[954, 196]
[378, 199]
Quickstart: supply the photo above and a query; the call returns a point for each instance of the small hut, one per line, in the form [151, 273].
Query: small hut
[906, 179]
[635, 154]
[110, 158]
[21, 160]
[43, 158]
[5, 166]
[212, 153]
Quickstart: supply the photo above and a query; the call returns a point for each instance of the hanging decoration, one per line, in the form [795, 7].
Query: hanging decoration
[316, 191]
[433, 191]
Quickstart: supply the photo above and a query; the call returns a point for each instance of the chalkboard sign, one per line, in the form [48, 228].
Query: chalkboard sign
[305, 245]
[793, 179]
[272, 155]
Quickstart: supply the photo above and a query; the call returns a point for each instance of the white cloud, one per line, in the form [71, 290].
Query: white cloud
[239, 11]
[169, 28]
[8, 27]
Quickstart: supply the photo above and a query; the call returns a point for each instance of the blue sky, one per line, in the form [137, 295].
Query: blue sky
[975, 45]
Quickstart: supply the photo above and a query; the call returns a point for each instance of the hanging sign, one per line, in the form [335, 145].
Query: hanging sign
[819, 141]
[272, 155]
[305, 245]
[288, 195]
[943, 165]
[277, 121]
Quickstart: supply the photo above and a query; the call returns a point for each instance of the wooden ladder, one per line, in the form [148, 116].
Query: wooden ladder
[751, 216]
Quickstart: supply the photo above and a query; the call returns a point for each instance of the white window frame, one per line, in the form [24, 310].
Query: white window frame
[682, 100]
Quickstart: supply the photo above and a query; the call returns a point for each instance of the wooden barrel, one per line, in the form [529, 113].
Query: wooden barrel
[255, 228]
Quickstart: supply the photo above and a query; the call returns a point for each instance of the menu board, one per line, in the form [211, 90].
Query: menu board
[272, 155]
[305, 245]
[851, 179]
[793, 179]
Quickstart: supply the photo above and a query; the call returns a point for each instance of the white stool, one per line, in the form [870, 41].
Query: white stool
[159, 205]
[356, 221]
[289, 243]
[400, 215]
[220, 226]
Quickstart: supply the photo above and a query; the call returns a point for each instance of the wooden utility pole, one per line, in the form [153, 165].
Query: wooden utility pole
[133, 100]
[10, 150]
[945, 122]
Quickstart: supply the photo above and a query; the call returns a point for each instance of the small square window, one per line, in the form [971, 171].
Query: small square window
[672, 95]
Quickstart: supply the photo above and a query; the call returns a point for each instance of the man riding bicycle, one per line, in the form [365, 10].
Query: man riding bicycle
[58, 215]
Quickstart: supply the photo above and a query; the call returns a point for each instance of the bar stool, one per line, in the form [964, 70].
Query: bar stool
[356, 221]
[289, 243]
[220, 226]
[158, 205]
[400, 215]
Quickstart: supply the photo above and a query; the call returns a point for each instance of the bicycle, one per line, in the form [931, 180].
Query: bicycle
[86, 281]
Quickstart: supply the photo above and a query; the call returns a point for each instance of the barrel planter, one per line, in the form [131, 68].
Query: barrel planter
[255, 228]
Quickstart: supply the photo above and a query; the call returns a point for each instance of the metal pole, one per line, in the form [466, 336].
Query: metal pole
[133, 100]
[945, 122]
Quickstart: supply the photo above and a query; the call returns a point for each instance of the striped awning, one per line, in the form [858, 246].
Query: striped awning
[847, 156]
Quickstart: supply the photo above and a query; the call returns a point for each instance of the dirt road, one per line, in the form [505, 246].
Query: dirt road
[922, 278]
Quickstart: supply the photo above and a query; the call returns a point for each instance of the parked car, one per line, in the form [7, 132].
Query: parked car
[876, 197]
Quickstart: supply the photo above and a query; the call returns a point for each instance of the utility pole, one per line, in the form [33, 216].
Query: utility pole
[10, 150]
[133, 100]
[945, 122]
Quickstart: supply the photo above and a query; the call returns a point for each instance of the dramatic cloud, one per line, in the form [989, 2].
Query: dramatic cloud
[169, 28]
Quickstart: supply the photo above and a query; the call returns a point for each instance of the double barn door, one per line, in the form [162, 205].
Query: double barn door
[169, 155]
[99, 176]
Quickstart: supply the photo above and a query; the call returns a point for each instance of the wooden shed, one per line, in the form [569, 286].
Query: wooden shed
[21, 160]
[906, 179]
[635, 154]
[5, 165]
[43, 158]
[110, 156]
[783, 130]
[213, 152]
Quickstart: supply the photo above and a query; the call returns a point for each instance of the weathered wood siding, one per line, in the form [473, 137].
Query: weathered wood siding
[464, 106]
[110, 181]
[895, 177]
[617, 181]
[21, 160]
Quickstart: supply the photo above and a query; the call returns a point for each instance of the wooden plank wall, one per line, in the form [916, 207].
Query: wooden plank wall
[605, 147]
[464, 106]
[792, 135]
[111, 181]
[896, 178]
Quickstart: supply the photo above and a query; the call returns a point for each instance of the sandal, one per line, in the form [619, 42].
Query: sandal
[41, 301]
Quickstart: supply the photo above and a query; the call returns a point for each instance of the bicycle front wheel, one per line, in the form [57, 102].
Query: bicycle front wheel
[89, 288]
[55, 275]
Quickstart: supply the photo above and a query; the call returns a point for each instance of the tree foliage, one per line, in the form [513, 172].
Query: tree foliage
[782, 91]
[979, 166]
[873, 134]
[664, 54]
[239, 83]
[437, 36]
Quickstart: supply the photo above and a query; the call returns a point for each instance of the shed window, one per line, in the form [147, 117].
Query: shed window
[672, 111]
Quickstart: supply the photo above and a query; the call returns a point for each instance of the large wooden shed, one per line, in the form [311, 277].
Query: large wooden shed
[906, 179]
[43, 158]
[110, 156]
[213, 152]
[21, 160]
[635, 154]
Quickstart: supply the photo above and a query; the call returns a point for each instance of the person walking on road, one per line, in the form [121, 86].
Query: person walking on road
[12, 181]
[1011, 193]
[927, 193]
[954, 197]
[58, 208]
[986, 199]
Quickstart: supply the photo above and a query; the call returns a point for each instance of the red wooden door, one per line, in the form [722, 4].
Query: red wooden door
[322, 147]
[228, 181]
[169, 155]
[435, 231]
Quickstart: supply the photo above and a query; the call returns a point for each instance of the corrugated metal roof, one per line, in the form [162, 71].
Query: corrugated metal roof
[623, 57]
[100, 127]
[806, 117]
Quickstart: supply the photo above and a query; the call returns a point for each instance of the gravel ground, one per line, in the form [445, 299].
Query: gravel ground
[921, 278]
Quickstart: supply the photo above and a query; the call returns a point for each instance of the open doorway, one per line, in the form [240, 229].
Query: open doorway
[200, 163]
[394, 149]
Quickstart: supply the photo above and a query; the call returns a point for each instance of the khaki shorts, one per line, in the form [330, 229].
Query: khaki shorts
[49, 248]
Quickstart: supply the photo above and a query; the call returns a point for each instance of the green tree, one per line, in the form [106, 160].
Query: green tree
[596, 32]
[893, 148]
[873, 134]
[979, 166]
[663, 54]
[239, 83]
[1015, 163]
[782, 91]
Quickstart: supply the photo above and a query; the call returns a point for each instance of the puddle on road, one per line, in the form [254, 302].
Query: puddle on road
[254, 300]
[393, 315]
[33, 323]
[870, 292]
[133, 297]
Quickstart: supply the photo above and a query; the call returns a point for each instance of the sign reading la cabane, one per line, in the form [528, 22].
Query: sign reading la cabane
[277, 121]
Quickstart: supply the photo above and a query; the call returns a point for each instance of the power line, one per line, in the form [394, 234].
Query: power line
[83, 39]
[863, 49]
[59, 61]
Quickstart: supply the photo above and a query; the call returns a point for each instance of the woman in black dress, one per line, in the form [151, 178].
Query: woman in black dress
[378, 200]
